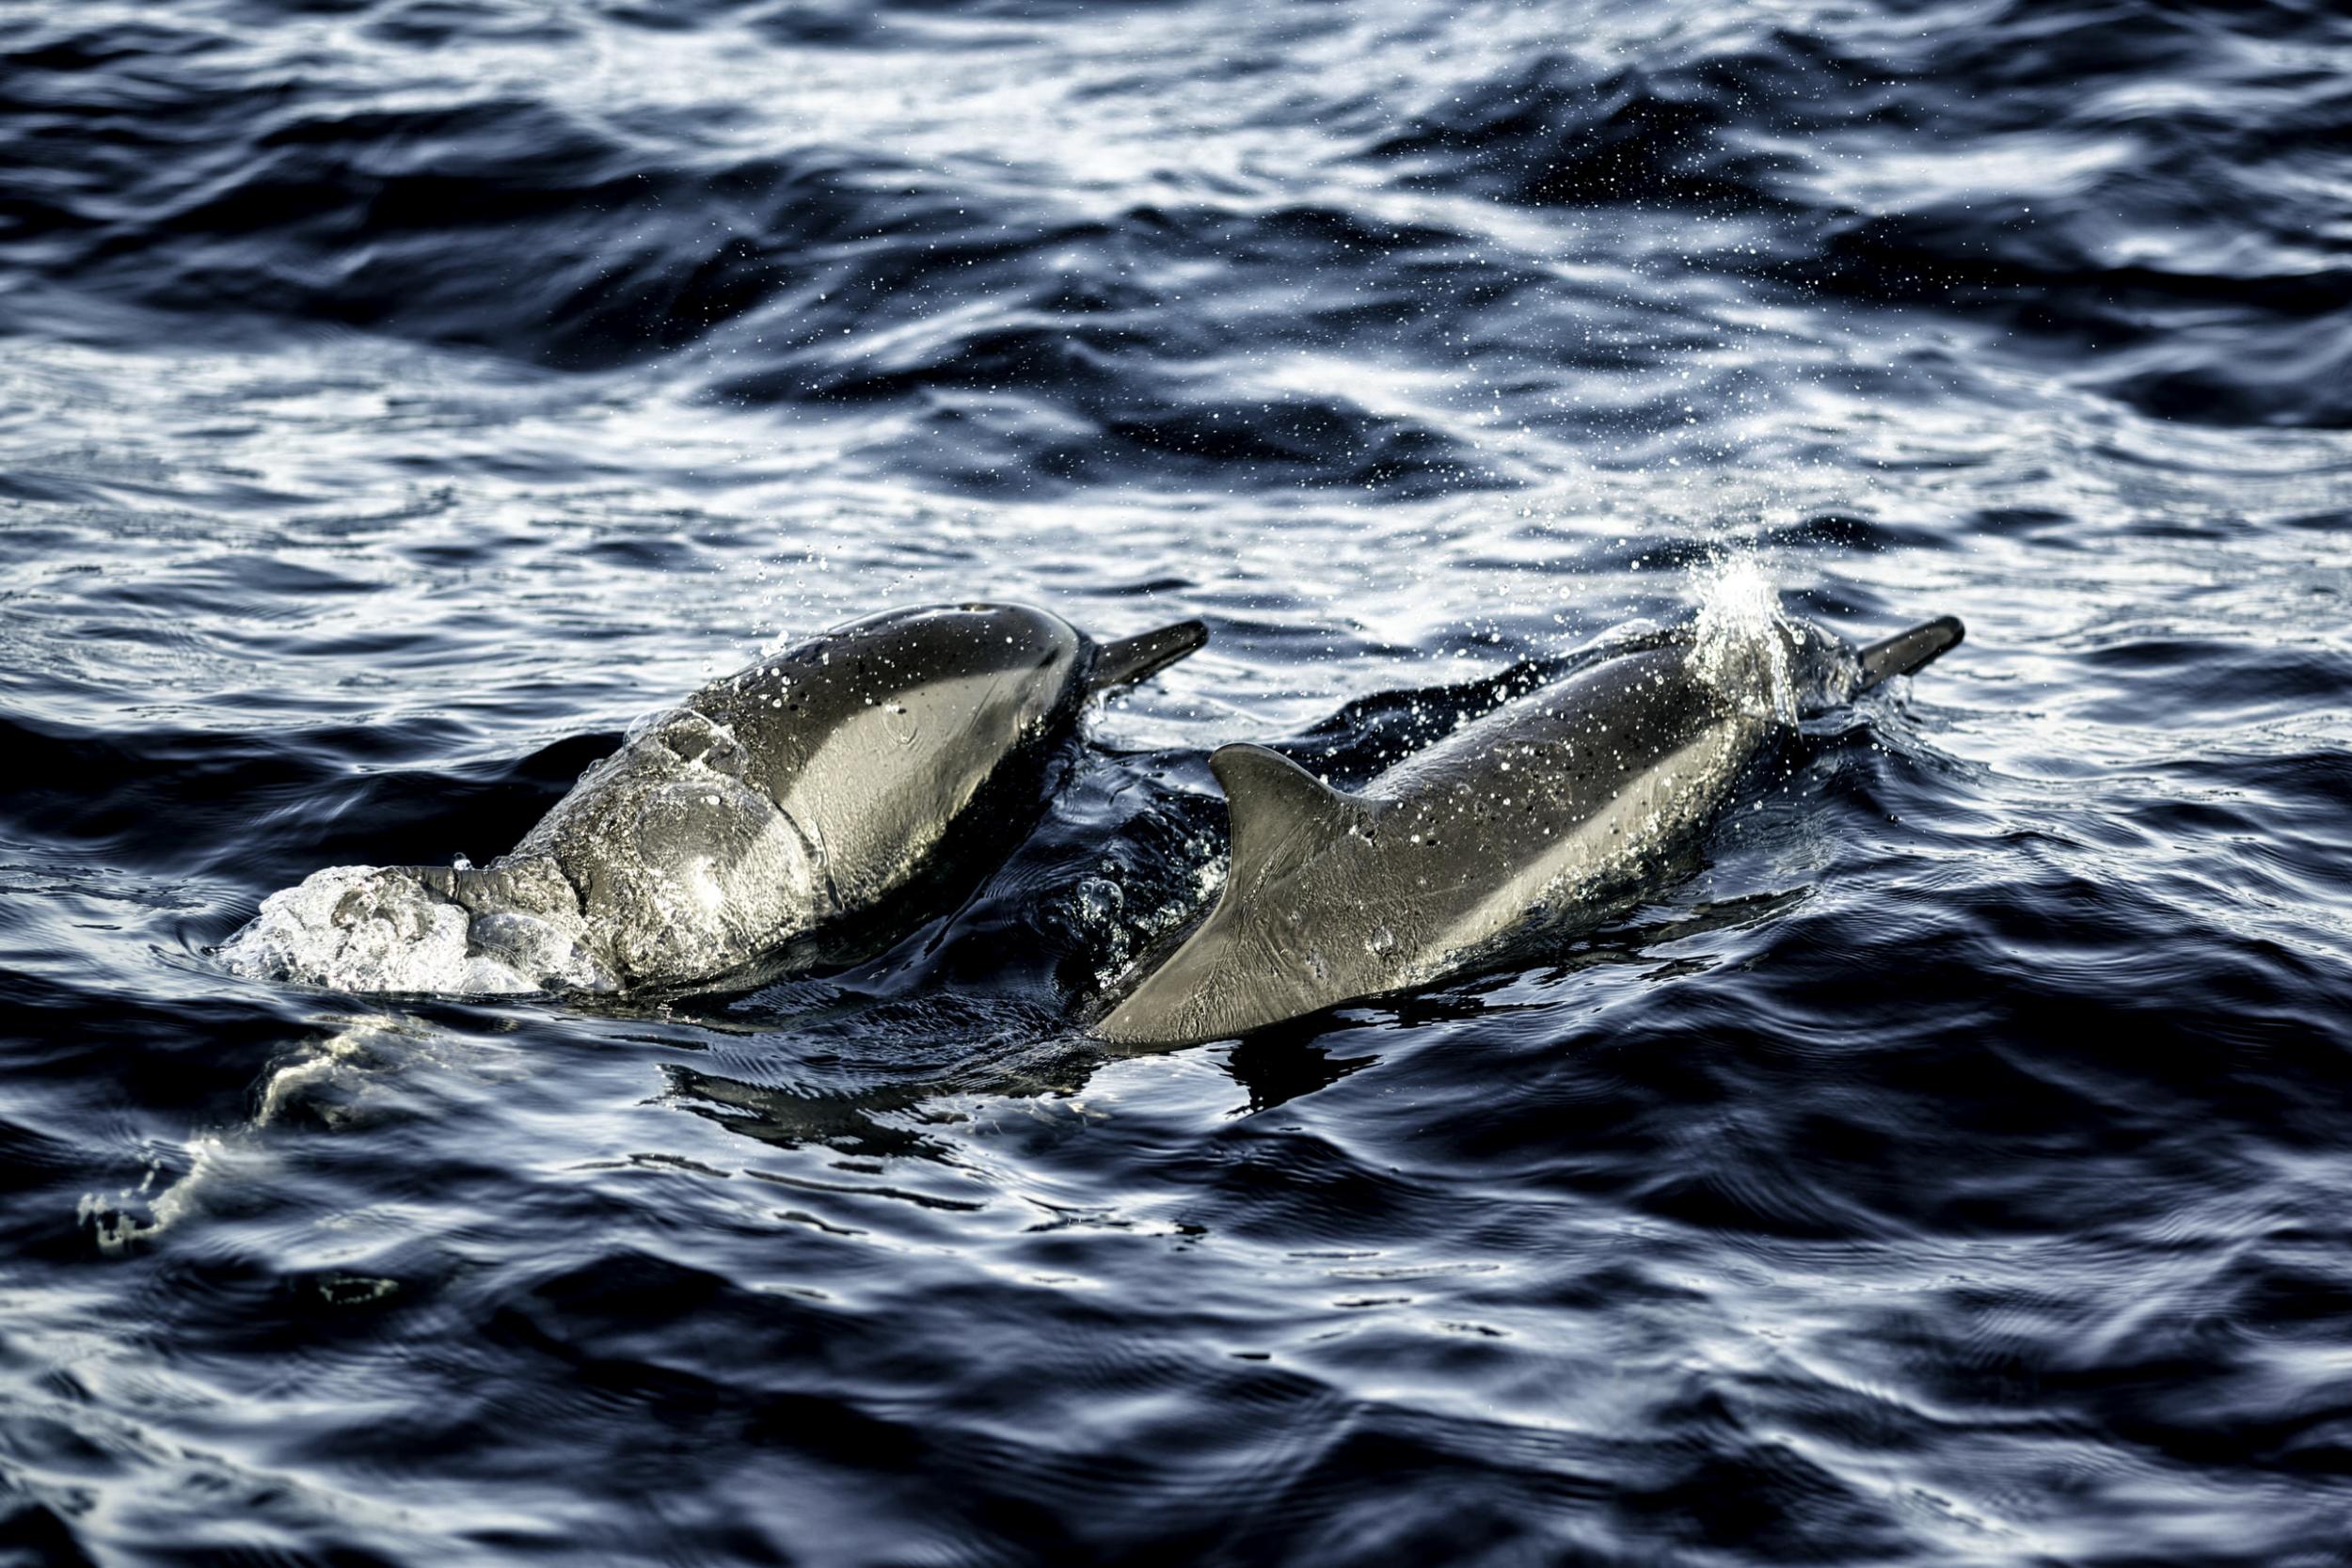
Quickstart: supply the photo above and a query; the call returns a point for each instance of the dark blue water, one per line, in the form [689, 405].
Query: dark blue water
[399, 397]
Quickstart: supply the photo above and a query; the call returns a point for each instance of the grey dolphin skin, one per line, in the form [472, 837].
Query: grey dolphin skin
[813, 788]
[1533, 819]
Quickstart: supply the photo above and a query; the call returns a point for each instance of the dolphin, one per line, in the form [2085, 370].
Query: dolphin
[820, 789]
[1532, 822]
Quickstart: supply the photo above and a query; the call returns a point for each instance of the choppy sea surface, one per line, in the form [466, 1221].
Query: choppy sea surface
[400, 397]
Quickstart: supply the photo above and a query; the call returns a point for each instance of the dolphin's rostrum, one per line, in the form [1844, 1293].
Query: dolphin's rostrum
[807, 793]
[1533, 821]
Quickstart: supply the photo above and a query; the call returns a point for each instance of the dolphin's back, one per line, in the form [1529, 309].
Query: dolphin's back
[796, 811]
[1529, 817]
[1545, 810]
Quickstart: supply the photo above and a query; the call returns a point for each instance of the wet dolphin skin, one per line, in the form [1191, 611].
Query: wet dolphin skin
[808, 790]
[1529, 821]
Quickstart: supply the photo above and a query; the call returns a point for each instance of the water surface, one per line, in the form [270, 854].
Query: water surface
[400, 397]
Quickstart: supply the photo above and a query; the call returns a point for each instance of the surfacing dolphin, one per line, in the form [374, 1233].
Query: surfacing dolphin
[1532, 822]
[817, 789]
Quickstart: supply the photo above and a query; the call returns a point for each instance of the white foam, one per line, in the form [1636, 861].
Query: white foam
[361, 928]
[115, 1222]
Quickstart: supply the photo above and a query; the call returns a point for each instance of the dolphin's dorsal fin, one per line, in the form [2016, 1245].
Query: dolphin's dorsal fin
[1282, 814]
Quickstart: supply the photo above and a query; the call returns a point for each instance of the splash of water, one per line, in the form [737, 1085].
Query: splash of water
[358, 928]
[1742, 637]
[115, 1224]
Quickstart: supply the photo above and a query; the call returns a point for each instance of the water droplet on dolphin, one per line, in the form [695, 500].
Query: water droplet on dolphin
[901, 723]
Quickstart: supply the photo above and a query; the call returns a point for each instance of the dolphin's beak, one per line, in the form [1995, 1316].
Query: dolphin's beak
[1906, 650]
[1131, 658]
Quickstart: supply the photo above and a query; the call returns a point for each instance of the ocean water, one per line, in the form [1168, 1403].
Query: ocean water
[398, 398]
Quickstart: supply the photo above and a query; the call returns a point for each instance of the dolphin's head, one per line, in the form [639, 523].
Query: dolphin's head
[1817, 666]
[1054, 664]
[1824, 670]
[1033, 657]
[963, 638]
[1794, 667]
